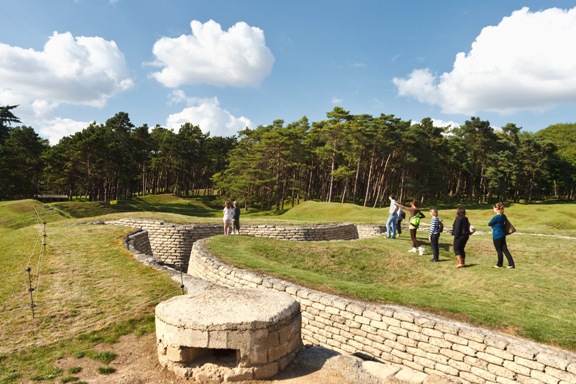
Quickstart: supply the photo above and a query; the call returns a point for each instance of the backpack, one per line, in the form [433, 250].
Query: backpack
[415, 220]
[440, 226]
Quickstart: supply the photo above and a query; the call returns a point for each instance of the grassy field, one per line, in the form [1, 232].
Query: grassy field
[89, 289]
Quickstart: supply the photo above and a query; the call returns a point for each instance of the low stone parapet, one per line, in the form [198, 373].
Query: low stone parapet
[366, 231]
[139, 242]
[324, 232]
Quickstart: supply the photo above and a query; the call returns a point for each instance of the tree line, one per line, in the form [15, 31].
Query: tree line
[346, 158]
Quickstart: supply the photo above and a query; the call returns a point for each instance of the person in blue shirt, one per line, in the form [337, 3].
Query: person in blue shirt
[499, 237]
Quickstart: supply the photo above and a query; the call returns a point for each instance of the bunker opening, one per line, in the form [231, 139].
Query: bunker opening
[221, 357]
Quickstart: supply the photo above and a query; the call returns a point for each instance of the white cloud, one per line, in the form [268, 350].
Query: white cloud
[337, 100]
[439, 123]
[208, 115]
[238, 57]
[526, 62]
[55, 129]
[37, 114]
[443, 123]
[69, 70]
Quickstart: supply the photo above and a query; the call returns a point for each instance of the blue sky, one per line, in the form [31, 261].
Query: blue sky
[228, 64]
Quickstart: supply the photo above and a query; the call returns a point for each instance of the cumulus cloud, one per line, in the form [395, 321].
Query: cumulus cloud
[208, 115]
[446, 124]
[55, 129]
[526, 62]
[68, 70]
[238, 57]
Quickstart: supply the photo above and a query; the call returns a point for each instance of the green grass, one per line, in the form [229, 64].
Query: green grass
[557, 219]
[207, 209]
[106, 370]
[90, 290]
[70, 379]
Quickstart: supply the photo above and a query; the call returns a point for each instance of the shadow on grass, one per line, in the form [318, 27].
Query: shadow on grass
[204, 206]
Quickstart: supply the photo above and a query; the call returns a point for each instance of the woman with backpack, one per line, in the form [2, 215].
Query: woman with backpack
[414, 215]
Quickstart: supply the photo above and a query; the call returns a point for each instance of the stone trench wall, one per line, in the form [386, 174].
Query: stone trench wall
[388, 333]
[172, 243]
[398, 335]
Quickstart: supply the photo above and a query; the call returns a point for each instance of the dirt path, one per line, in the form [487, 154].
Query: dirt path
[137, 363]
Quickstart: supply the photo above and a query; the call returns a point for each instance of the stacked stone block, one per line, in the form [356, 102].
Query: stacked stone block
[261, 327]
[139, 242]
[369, 231]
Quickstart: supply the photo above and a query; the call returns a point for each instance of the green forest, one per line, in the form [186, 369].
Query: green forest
[348, 158]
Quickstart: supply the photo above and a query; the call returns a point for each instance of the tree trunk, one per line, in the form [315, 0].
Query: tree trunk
[380, 193]
[369, 178]
[332, 165]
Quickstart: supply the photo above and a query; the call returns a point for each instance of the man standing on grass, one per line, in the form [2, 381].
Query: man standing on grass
[393, 218]
[236, 218]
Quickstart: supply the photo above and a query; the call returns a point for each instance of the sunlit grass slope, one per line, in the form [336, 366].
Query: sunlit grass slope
[84, 281]
[557, 219]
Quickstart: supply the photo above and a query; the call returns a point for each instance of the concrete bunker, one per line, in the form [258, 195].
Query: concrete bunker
[222, 334]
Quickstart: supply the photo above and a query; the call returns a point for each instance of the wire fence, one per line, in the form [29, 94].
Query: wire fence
[93, 326]
[29, 300]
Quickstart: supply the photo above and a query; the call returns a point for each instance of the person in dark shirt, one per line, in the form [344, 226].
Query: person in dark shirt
[236, 218]
[434, 234]
[461, 233]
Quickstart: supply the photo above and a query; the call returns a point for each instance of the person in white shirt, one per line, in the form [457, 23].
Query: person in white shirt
[228, 212]
[393, 218]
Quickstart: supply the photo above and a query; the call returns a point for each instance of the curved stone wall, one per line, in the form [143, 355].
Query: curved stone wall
[394, 334]
[172, 243]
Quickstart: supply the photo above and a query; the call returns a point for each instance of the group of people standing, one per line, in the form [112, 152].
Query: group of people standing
[231, 218]
[461, 230]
